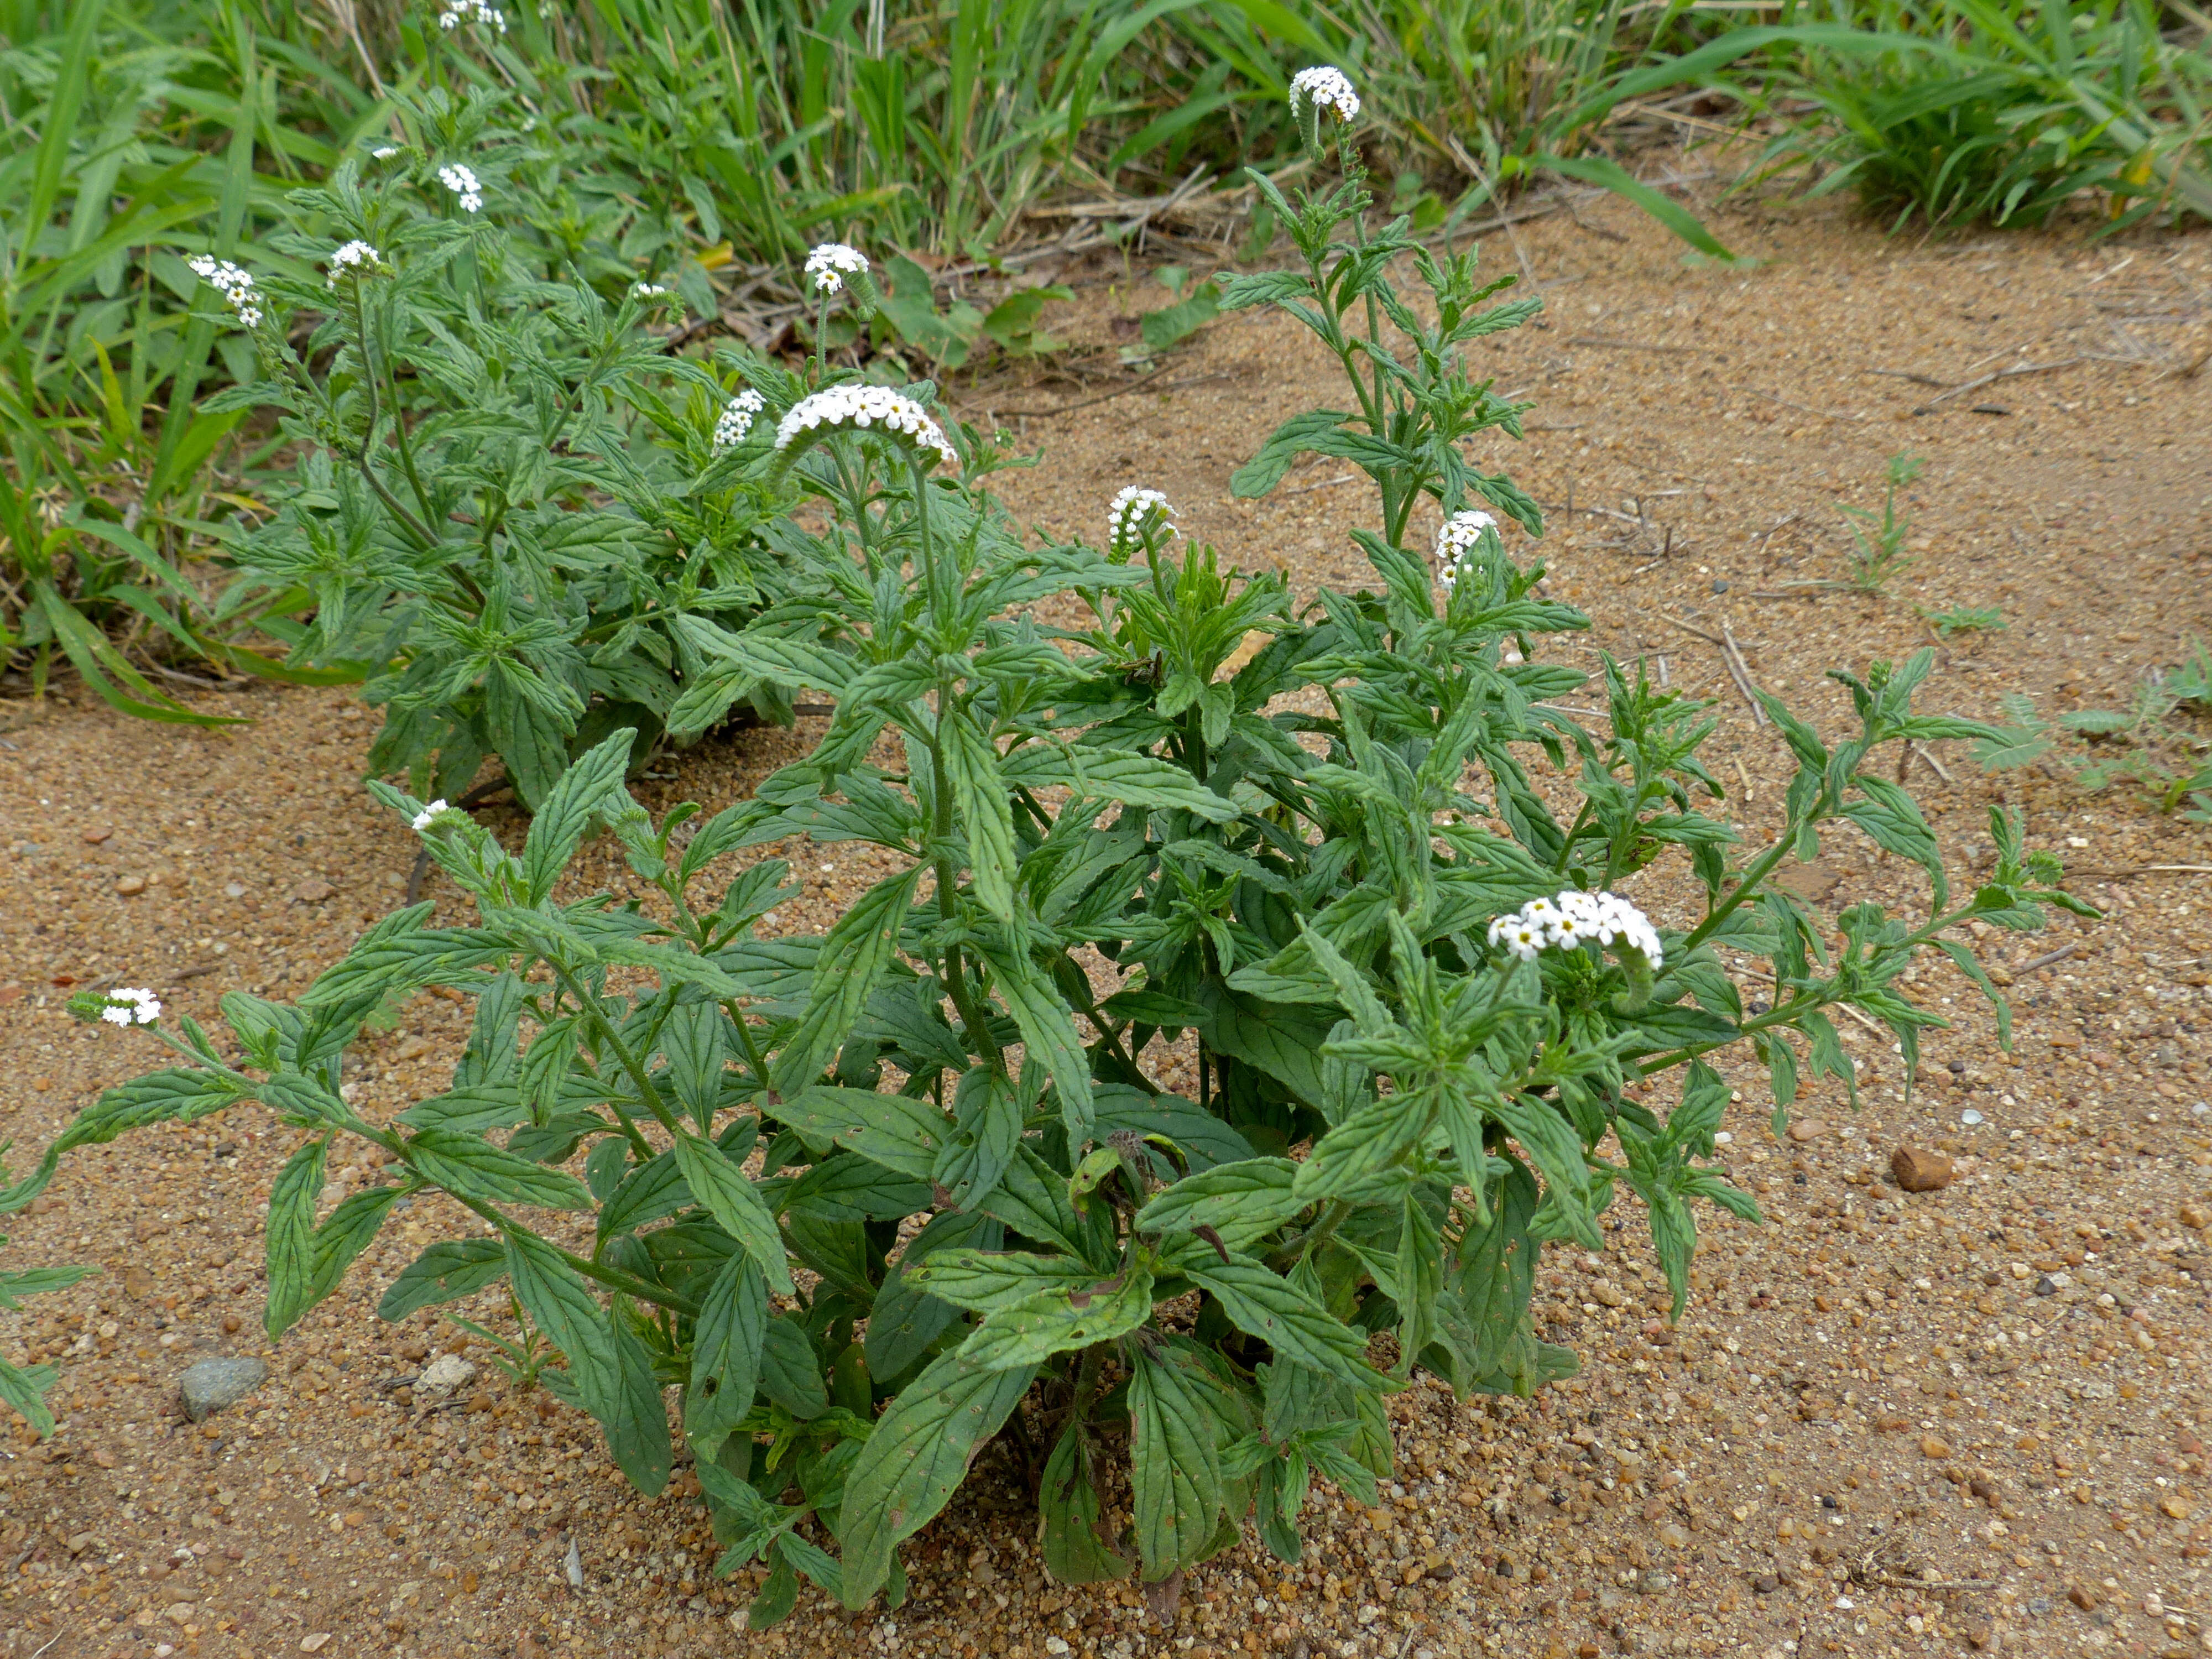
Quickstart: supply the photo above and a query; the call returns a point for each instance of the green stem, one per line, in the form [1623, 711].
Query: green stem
[972, 1015]
[645, 1091]
[414, 526]
[613, 1278]
[1758, 872]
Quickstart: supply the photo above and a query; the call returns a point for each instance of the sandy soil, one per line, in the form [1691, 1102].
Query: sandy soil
[1889, 1424]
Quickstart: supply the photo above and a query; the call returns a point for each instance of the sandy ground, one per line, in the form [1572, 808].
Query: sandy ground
[1889, 1423]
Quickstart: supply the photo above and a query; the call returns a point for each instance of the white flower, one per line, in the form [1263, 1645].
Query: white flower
[647, 291]
[1456, 543]
[1326, 88]
[356, 258]
[828, 261]
[464, 184]
[457, 12]
[1573, 920]
[865, 406]
[430, 814]
[235, 284]
[736, 420]
[384, 152]
[1134, 513]
[131, 1006]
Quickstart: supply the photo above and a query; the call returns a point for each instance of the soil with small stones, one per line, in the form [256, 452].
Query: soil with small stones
[1890, 1422]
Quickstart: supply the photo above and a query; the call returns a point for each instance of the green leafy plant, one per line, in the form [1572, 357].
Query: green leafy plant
[1954, 620]
[23, 1388]
[475, 522]
[1878, 540]
[1421, 1024]
[2168, 762]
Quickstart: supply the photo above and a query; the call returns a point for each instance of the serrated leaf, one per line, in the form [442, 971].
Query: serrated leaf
[291, 1238]
[446, 1272]
[471, 1167]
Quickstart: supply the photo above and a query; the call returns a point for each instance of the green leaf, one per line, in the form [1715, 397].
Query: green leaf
[471, 1167]
[351, 1228]
[915, 1458]
[1609, 174]
[290, 1241]
[790, 1369]
[1203, 1138]
[738, 1209]
[1068, 1512]
[1259, 475]
[446, 1272]
[559, 1304]
[1553, 1146]
[726, 1355]
[897, 1131]
[636, 1418]
[1174, 1474]
[1243, 1202]
[1031, 1331]
[990, 1281]
[1048, 1028]
[906, 1319]
[1261, 1303]
[23, 1389]
[1134, 780]
[1368, 1142]
[854, 956]
[985, 815]
[590, 788]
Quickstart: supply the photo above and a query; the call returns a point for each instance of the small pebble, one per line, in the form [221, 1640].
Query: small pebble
[209, 1385]
[1920, 1171]
[447, 1374]
[131, 886]
[96, 833]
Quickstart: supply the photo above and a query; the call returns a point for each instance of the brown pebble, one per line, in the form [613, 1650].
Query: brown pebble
[2196, 1214]
[1808, 1129]
[1984, 1490]
[313, 890]
[1918, 1170]
[2084, 1597]
[231, 1323]
[131, 886]
[96, 833]
[1932, 1447]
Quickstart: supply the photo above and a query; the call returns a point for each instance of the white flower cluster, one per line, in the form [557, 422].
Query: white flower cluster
[1574, 919]
[736, 420]
[1326, 88]
[131, 1006]
[384, 152]
[463, 183]
[865, 406]
[648, 291]
[235, 284]
[430, 814]
[1455, 544]
[457, 12]
[1134, 511]
[356, 258]
[831, 262]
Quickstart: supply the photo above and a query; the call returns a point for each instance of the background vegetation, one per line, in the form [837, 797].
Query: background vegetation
[711, 142]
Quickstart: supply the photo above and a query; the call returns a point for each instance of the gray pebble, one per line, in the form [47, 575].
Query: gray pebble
[1655, 1581]
[209, 1385]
